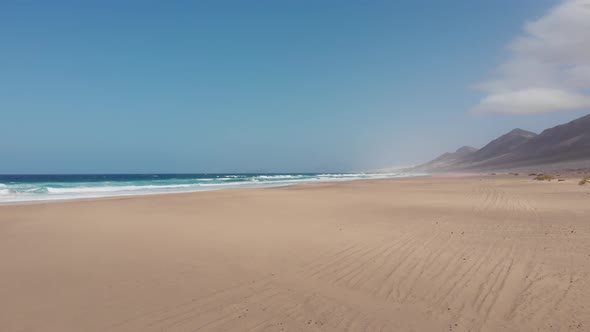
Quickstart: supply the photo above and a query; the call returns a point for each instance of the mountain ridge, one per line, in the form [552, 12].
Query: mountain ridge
[567, 142]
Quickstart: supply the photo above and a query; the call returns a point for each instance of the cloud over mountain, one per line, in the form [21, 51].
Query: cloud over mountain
[548, 68]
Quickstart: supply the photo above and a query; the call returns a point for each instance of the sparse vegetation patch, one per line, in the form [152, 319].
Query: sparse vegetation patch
[544, 177]
[584, 181]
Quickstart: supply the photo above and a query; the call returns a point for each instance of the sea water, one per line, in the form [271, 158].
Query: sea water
[24, 188]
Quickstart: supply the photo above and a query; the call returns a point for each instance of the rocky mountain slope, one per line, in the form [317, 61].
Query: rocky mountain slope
[519, 148]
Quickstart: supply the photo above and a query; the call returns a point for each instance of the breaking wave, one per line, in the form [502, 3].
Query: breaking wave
[23, 188]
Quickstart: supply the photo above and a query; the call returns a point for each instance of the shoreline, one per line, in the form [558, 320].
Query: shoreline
[244, 186]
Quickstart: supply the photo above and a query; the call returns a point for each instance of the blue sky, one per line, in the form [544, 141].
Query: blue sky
[254, 86]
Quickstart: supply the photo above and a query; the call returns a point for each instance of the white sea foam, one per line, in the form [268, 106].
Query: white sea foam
[20, 192]
[53, 190]
[280, 176]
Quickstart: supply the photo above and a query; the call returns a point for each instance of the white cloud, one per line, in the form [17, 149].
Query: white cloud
[534, 100]
[549, 65]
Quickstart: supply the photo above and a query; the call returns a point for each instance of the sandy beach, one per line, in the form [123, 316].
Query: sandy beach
[469, 253]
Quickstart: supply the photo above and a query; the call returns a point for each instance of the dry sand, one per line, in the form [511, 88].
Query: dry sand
[422, 254]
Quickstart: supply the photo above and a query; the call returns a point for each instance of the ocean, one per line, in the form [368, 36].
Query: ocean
[26, 188]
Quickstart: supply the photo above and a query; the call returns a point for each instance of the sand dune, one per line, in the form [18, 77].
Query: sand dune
[421, 254]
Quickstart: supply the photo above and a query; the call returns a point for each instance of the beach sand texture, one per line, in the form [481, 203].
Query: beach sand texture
[471, 253]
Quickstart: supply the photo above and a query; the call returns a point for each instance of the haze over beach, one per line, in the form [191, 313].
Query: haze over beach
[235, 166]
